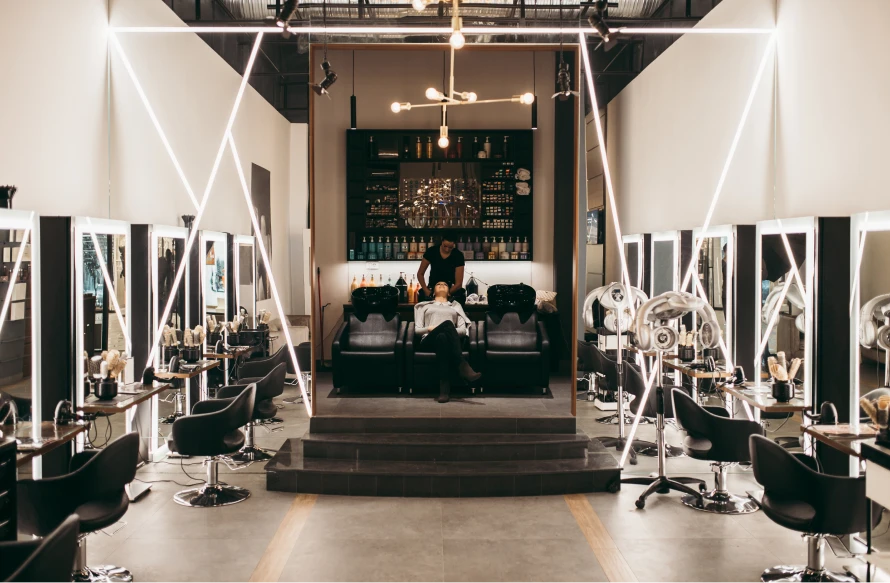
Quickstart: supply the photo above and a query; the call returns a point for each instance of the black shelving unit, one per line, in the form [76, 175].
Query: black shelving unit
[381, 162]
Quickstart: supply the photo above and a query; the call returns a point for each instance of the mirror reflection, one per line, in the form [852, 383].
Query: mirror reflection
[102, 325]
[246, 274]
[782, 300]
[15, 335]
[874, 318]
[170, 256]
[215, 280]
[712, 275]
[664, 265]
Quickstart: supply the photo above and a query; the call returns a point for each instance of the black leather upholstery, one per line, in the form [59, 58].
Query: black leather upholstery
[48, 559]
[513, 350]
[94, 490]
[257, 368]
[595, 360]
[421, 368]
[635, 385]
[267, 388]
[800, 498]
[368, 350]
[711, 437]
[213, 428]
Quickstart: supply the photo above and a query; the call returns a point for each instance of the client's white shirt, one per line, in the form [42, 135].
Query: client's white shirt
[432, 313]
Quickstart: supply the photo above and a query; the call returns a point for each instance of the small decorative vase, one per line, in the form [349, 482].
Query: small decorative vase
[782, 391]
[686, 353]
[106, 389]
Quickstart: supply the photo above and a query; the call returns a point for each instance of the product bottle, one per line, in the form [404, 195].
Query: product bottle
[506, 148]
[472, 287]
[364, 246]
[406, 150]
[487, 147]
[354, 285]
[525, 246]
[402, 286]
[486, 246]
[502, 246]
[510, 245]
[475, 147]
[421, 246]
[412, 292]
[371, 283]
[364, 282]
[372, 148]
[387, 250]
[431, 243]
[404, 244]
[429, 148]
[477, 246]
[388, 281]
[412, 247]
[418, 149]
[460, 148]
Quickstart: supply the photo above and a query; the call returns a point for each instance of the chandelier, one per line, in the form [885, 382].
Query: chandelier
[453, 97]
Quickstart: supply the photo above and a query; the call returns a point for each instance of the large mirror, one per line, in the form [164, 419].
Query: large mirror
[101, 273]
[633, 254]
[214, 295]
[245, 279]
[713, 277]
[786, 255]
[664, 261]
[869, 308]
[19, 290]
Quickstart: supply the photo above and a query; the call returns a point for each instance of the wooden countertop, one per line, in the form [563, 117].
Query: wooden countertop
[696, 373]
[842, 437]
[199, 367]
[33, 442]
[762, 398]
[128, 396]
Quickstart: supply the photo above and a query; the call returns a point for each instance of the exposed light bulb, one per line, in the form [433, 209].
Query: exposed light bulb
[443, 142]
[471, 97]
[396, 107]
[526, 99]
[433, 93]
[457, 39]
[418, 5]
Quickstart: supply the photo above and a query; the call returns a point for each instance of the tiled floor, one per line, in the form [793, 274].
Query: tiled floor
[483, 539]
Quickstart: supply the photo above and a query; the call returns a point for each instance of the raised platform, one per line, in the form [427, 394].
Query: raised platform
[442, 457]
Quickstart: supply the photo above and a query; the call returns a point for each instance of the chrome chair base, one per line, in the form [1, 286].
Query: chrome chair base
[209, 496]
[721, 502]
[250, 453]
[801, 573]
[108, 573]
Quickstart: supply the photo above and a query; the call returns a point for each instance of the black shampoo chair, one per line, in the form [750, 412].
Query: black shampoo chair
[513, 348]
[267, 388]
[48, 559]
[368, 348]
[213, 430]
[799, 497]
[712, 436]
[94, 490]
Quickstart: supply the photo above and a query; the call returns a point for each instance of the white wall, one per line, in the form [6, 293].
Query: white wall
[384, 76]
[299, 219]
[192, 91]
[53, 142]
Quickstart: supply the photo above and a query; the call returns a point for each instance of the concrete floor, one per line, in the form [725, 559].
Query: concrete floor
[485, 539]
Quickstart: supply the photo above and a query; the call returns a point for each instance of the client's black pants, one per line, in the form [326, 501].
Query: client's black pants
[445, 342]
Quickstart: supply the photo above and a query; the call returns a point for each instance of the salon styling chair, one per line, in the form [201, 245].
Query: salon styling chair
[213, 430]
[304, 362]
[799, 497]
[254, 369]
[513, 348]
[369, 347]
[50, 558]
[267, 388]
[94, 490]
[711, 435]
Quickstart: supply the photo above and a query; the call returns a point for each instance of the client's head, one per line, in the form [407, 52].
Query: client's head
[440, 290]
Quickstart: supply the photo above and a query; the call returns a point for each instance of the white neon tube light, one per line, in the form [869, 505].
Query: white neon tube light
[154, 118]
[730, 156]
[203, 206]
[430, 30]
[854, 291]
[265, 256]
[109, 284]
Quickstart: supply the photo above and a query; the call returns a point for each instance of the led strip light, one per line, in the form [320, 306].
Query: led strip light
[853, 291]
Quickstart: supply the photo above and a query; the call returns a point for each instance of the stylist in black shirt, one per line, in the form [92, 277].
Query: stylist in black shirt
[445, 264]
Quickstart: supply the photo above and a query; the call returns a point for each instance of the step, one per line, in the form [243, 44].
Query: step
[445, 447]
[503, 425]
[289, 471]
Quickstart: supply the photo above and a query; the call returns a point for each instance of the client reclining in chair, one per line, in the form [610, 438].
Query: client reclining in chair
[441, 323]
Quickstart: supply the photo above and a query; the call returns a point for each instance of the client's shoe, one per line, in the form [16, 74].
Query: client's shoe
[444, 391]
[468, 374]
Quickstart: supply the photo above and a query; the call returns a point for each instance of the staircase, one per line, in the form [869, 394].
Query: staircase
[442, 457]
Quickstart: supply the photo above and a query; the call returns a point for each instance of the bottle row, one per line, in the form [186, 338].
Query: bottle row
[459, 149]
[407, 291]
[390, 248]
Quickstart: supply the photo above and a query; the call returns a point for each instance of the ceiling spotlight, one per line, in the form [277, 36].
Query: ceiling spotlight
[329, 78]
[434, 94]
[418, 5]
[443, 137]
[397, 107]
[564, 82]
[596, 19]
[287, 13]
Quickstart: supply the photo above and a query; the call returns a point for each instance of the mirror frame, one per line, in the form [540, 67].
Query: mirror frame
[805, 226]
[85, 226]
[236, 272]
[674, 237]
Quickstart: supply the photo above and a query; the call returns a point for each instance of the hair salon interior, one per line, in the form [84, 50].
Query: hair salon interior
[440, 290]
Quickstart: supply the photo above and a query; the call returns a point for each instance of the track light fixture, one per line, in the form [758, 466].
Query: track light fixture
[596, 19]
[288, 10]
[330, 77]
